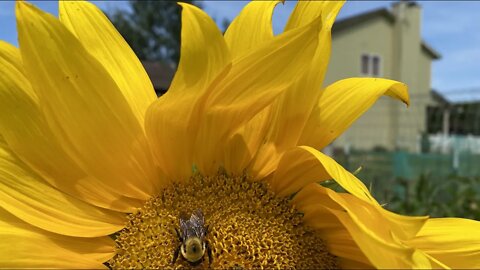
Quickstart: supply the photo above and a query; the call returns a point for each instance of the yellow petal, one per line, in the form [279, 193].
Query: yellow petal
[244, 144]
[368, 227]
[436, 264]
[351, 264]
[24, 246]
[307, 11]
[316, 210]
[265, 162]
[333, 170]
[252, 84]
[342, 102]
[340, 243]
[296, 169]
[204, 53]
[29, 136]
[237, 154]
[454, 242]
[84, 106]
[404, 227]
[172, 120]
[101, 39]
[251, 28]
[296, 104]
[28, 197]
[292, 109]
[383, 251]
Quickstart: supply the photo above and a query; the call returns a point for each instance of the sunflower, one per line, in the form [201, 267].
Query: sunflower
[95, 171]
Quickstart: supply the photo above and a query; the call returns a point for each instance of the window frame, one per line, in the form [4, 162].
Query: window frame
[364, 56]
[370, 64]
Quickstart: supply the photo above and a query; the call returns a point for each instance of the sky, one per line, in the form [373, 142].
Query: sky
[452, 28]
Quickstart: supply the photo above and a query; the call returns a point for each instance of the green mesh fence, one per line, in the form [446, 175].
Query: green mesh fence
[387, 174]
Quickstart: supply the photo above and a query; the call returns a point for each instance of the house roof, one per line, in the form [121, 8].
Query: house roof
[346, 23]
[458, 96]
[438, 97]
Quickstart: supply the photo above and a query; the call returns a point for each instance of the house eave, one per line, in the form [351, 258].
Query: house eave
[430, 51]
[352, 21]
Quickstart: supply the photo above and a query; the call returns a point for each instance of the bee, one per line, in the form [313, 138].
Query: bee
[192, 239]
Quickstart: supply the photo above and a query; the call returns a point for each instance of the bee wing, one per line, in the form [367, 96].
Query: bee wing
[197, 217]
[198, 223]
[193, 226]
[184, 225]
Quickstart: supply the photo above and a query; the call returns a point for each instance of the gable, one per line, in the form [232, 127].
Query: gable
[353, 21]
[377, 14]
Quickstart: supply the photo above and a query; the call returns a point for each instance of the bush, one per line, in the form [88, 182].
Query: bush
[454, 196]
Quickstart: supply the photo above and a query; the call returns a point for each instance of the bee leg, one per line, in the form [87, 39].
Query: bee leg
[209, 252]
[175, 255]
[179, 236]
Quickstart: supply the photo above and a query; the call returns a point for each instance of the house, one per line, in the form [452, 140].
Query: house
[459, 113]
[455, 113]
[454, 121]
[385, 43]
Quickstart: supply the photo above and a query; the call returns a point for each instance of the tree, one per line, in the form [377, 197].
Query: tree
[152, 29]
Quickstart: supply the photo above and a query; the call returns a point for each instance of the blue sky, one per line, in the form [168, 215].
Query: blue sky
[450, 27]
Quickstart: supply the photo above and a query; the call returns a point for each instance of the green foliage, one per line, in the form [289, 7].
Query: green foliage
[455, 196]
[151, 28]
[419, 184]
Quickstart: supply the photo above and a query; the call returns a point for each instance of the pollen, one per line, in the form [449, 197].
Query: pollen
[248, 227]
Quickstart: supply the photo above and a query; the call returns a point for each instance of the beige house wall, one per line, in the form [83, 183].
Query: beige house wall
[413, 120]
[388, 124]
[408, 52]
[372, 37]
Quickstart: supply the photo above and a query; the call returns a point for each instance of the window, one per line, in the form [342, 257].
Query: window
[365, 60]
[370, 65]
[375, 65]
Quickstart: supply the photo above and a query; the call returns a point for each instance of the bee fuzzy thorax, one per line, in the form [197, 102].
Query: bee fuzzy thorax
[219, 222]
[193, 250]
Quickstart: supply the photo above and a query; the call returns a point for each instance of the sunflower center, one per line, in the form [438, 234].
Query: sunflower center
[248, 227]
